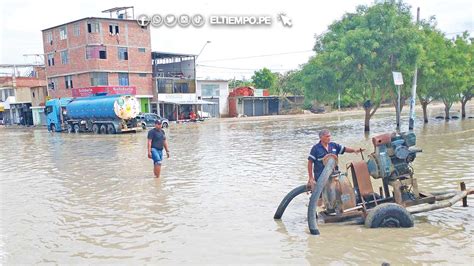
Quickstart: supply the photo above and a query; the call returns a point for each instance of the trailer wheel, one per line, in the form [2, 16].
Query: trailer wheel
[389, 215]
[95, 129]
[103, 129]
[76, 128]
[69, 128]
[53, 128]
[110, 129]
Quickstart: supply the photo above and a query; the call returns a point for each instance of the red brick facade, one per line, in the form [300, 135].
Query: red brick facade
[130, 35]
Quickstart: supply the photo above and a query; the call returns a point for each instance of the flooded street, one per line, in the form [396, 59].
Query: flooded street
[92, 199]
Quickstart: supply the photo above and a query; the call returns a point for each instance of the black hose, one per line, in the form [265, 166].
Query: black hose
[287, 199]
[316, 193]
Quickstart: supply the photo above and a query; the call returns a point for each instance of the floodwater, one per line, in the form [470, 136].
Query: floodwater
[91, 199]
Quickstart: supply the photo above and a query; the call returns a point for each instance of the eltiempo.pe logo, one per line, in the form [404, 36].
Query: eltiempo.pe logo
[198, 20]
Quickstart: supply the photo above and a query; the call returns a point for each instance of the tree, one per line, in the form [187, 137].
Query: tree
[265, 79]
[359, 53]
[235, 83]
[290, 83]
[431, 64]
[464, 66]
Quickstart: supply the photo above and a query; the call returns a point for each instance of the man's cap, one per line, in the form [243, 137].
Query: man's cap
[158, 122]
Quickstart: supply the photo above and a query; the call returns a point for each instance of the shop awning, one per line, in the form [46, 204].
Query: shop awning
[181, 102]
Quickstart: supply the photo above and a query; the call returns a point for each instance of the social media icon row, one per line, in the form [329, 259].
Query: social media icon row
[171, 20]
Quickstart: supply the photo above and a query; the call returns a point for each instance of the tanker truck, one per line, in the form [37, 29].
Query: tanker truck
[99, 114]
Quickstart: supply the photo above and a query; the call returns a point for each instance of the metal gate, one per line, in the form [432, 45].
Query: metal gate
[248, 107]
[212, 109]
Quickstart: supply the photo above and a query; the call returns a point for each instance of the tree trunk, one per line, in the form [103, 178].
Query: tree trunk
[463, 108]
[367, 120]
[446, 111]
[424, 105]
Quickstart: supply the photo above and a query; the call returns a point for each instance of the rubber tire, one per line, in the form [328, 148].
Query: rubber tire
[111, 129]
[143, 126]
[77, 128]
[165, 125]
[103, 129]
[95, 129]
[389, 215]
[69, 128]
[53, 128]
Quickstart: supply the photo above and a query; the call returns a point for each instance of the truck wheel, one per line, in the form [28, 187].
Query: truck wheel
[389, 215]
[165, 125]
[76, 128]
[95, 129]
[53, 128]
[110, 129]
[103, 129]
[69, 128]
[143, 126]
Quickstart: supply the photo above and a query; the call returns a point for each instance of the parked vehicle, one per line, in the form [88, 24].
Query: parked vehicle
[148, 120]
[98, 114]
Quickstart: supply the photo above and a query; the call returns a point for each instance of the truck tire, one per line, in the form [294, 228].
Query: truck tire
[389, 215]
[165, 125]
[69, 128]
[53, 128]
[103, 129]
[77, 129]
[95, 129]
[110, 129]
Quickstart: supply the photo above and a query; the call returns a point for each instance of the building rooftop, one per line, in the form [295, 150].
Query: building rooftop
[91, 18]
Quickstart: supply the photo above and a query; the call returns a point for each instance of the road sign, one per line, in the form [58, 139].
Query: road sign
[397, 78]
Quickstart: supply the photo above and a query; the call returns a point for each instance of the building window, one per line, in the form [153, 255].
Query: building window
[96, 51]
[52, 83]
[209, 90]
[143, 75]
[51, 59]
[122, 53]
[77, 29]
[141, 50]
[63, 33]
[93, 26]
[113, 29]
[68, 82]
[99, 79]
[123, 79]
[49, 37]
[64, 57]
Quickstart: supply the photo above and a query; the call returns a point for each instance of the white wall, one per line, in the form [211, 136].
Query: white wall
[223, 94]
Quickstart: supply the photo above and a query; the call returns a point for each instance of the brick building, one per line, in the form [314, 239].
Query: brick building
[94, 54]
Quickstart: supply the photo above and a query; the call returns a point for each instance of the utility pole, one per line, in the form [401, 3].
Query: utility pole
[411, 122]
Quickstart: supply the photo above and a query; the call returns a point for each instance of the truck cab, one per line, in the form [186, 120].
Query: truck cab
[55, 111]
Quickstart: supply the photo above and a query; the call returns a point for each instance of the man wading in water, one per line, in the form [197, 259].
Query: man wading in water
[156, 143]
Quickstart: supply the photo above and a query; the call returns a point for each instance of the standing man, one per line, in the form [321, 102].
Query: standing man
[156, 143]
[319, 151]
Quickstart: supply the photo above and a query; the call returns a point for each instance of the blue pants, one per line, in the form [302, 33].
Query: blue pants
[157, 156]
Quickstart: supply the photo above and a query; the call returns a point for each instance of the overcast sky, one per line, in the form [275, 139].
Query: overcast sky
[23, 20]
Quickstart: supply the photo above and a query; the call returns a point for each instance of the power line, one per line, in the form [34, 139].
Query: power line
[249, 69]
[256, 56]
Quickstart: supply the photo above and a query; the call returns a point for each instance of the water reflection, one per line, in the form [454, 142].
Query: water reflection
[92, 199]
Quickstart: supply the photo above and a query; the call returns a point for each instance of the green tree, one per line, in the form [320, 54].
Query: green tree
[464, 66]
[290, 83]
[235, 83]
[359, 53]
[265, 79]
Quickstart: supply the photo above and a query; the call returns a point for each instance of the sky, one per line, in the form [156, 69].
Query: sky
[233, 51]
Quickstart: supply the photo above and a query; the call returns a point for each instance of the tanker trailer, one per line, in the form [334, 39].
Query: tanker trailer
[98, 114]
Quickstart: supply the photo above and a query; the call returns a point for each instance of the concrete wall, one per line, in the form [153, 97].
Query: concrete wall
[223, 94]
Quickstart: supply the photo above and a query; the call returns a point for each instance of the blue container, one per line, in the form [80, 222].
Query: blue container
[100, 107]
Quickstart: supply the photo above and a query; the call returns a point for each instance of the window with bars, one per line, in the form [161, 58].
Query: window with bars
[49, 37]
[77, 29]
[113, 29]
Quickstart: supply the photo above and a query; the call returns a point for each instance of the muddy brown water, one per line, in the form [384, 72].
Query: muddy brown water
[71, 199]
